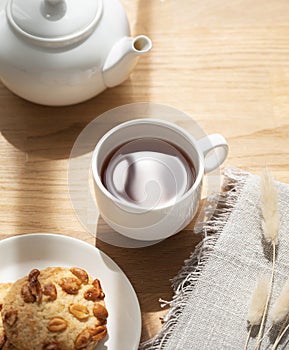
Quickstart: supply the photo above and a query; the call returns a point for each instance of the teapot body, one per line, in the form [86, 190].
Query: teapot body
[61, 75]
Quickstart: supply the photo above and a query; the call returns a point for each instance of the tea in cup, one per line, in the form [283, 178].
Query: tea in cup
[148, 176]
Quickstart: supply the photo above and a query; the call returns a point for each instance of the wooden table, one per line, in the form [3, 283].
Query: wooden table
[226, 63]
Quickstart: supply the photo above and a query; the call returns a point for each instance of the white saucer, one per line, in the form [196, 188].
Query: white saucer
[20, 254]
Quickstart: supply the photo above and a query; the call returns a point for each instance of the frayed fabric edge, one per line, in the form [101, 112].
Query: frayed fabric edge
[183, 284]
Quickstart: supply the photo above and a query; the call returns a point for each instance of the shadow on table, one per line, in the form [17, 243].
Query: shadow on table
[151, 269]
[50, 132]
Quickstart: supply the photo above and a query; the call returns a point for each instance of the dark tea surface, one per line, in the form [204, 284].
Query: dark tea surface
[148, 172]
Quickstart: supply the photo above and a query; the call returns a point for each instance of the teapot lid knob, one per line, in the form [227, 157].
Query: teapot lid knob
[54, 9]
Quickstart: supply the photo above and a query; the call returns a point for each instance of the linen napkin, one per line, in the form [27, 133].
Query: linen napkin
[212, 292]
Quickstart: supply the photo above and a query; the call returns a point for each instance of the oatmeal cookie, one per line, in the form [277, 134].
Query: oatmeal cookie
[55, 309]
[4, 288]
[8, 346]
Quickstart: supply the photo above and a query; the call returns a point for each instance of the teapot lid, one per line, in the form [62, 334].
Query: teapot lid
[54, 23]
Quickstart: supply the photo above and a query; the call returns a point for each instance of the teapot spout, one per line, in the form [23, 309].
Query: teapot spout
[123, 57]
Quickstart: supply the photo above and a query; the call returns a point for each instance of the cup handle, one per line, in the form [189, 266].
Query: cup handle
[215, 150]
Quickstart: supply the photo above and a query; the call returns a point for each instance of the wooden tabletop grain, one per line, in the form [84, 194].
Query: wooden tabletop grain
[225, 63]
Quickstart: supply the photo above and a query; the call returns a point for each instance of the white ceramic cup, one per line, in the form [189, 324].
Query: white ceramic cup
[155, 222]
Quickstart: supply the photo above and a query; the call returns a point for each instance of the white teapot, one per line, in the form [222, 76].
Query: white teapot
[61, 52]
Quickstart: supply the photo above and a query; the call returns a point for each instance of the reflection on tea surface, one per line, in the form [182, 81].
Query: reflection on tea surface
[148, 172]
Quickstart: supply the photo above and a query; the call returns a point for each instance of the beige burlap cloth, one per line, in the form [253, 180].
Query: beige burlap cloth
[213, 290]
